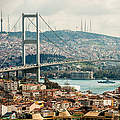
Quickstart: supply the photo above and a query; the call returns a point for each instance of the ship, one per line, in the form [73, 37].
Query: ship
[106, 81]
[67, 83]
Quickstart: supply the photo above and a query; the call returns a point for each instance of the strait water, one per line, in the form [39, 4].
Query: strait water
[92, 85]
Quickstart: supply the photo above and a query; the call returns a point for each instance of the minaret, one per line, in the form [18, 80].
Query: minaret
[81, 25]
[90, 26]
[8, 25]
[85, 26]
[1, 22]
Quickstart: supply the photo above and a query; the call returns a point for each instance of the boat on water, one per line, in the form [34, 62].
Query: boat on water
[106, 81]
[67, 83]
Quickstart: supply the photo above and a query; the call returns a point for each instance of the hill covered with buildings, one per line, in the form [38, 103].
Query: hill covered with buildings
[77, 43]
[63, 45]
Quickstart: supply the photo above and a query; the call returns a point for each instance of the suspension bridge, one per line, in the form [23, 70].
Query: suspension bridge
[36, 67]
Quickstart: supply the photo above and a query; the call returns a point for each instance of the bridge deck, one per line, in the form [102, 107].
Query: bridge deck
[18, 68]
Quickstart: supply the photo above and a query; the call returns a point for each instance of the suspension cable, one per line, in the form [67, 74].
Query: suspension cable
[9, 44]
[48, 38]
[70, 48]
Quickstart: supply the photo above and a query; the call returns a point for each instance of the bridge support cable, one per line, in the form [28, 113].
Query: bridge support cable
[69, 47]
[10, 44]
[50, 40]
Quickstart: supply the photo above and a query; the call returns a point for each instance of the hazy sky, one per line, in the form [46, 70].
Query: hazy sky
[67, 14]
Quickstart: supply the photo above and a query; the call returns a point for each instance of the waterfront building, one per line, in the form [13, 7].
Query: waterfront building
[83, 75]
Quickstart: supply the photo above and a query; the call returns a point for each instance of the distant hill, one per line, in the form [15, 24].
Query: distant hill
[78, 44]
[65, 44]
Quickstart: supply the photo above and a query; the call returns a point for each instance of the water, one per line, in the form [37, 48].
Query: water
[91, 85]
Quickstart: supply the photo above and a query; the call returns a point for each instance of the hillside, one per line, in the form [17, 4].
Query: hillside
[82, 45]
[87, 45]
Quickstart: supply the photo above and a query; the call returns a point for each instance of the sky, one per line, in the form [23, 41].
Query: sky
[67, 14]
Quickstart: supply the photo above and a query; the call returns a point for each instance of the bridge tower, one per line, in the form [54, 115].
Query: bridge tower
[25, 41]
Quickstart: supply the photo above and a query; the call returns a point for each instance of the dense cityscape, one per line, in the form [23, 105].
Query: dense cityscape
[58, 64]
[29, 100]
[25, 98]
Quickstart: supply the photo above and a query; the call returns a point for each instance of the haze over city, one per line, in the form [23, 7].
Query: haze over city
[67, 14]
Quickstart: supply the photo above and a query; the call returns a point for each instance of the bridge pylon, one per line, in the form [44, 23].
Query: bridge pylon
[25, 41]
